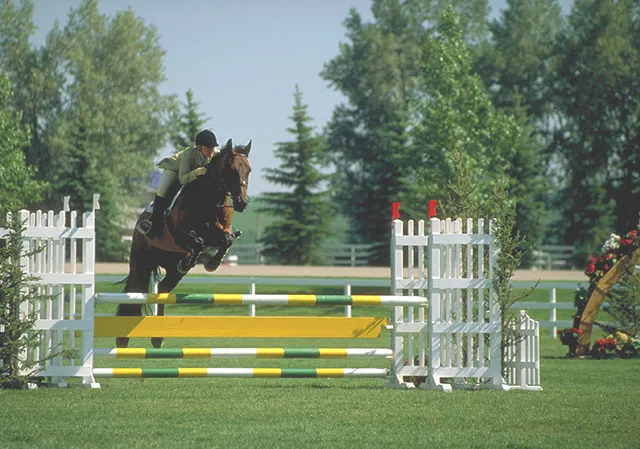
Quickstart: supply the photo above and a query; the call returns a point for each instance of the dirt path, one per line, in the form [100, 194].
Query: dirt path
[346, 272]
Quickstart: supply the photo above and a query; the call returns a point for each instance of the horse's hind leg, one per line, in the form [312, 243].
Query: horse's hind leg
[167, 284]
[137, 281]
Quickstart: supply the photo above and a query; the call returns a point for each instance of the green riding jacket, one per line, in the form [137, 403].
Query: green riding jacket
[184, 164]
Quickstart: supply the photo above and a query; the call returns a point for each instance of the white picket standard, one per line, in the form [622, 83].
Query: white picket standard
[455, 341]
[49, 241]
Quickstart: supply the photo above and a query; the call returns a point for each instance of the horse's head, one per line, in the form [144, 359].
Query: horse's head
[233, 172]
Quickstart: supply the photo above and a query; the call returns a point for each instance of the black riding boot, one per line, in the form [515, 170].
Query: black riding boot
[157, 218]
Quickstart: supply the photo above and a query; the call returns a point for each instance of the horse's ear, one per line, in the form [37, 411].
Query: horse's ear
[247, 148]
[228, 146]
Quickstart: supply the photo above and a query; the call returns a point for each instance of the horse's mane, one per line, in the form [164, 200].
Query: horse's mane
[206, 189]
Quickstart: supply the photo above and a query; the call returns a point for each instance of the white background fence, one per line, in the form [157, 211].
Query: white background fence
[352, 255]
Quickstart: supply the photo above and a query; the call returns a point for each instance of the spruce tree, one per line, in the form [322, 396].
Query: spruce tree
[187, 122]
[304, 211]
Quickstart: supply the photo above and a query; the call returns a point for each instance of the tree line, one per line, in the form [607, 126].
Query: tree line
[440, 103]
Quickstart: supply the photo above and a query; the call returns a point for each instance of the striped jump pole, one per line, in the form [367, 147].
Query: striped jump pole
[297, 373]
[276, 300]
[259, 353]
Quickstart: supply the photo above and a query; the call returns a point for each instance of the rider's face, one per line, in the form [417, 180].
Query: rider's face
[207, 151]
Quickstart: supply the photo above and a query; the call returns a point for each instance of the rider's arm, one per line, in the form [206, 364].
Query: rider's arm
[188, 170]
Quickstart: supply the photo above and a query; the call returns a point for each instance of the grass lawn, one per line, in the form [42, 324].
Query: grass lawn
[585, 404]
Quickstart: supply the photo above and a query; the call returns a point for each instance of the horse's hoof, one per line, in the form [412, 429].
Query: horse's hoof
[157, 342]
[184, 265]
[212, 264]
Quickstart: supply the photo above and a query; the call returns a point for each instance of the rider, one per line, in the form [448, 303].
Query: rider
[183, 167]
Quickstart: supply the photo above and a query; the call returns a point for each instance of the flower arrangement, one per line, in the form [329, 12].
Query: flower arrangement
[597, 267]
[612, 250]
[581, 297]
[569, 336]
[620, 343]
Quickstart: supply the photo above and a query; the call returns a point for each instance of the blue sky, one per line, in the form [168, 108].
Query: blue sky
[242, 58]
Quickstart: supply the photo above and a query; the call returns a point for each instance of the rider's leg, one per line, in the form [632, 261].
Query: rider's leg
[160, 204]
[153, 228]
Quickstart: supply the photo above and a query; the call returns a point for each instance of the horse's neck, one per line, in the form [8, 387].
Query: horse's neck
[198, 202]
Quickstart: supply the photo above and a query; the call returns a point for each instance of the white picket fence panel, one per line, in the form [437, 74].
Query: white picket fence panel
[61, 254]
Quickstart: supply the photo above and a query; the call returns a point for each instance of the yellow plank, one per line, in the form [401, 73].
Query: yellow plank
[235, 326]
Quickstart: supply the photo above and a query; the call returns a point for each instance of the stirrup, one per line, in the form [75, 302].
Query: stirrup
[144, 227]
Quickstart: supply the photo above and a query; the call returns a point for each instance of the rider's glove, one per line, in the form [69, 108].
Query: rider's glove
[200, 171]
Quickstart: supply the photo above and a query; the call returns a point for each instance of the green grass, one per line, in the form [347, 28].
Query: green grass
[585, 404]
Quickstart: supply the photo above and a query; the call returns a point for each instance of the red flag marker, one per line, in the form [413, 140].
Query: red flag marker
[432, 208]
[395, 213]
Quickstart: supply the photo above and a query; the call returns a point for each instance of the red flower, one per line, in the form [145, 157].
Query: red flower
[633, 234]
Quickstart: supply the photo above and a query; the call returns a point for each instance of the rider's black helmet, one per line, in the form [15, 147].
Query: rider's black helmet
[206, 138]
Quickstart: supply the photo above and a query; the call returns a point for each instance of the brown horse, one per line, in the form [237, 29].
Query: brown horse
[196, 223]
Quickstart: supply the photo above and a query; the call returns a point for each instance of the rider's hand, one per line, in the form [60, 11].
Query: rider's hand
[200, 171]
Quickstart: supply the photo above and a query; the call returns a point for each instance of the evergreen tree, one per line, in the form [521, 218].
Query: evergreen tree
[456, 129]
[378, 70]
[17, 184]
[598, 93]
[186, 123]
[304, 211]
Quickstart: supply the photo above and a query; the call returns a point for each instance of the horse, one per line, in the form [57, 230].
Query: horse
[197, 222]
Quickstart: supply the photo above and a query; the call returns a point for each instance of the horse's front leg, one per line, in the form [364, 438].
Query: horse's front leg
[216, 238]
[193, 243]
